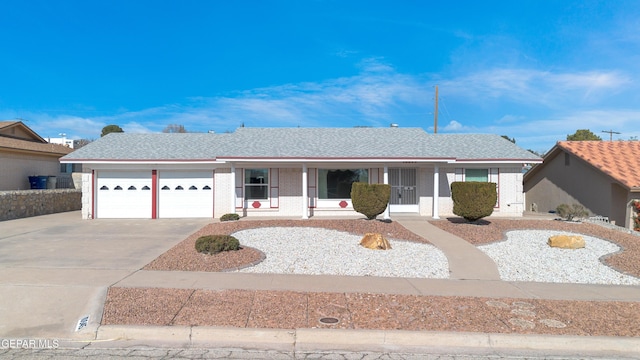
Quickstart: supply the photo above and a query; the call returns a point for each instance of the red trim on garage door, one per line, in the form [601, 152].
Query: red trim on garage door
[154, 194]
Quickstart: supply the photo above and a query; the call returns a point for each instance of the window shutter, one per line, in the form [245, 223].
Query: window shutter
[312, 187]
[459, 174]
[494, 177]
[274, 188]
[239, 184]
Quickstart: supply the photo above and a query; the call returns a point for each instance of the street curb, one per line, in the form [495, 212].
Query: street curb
[394, 341]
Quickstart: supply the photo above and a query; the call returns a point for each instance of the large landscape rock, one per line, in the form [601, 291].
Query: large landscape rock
[566, 241]
[375, 241]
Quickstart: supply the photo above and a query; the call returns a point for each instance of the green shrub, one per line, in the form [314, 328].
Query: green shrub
[571, 212]
[230, 217]
[370, 200]
[473, 200]
[213, 244]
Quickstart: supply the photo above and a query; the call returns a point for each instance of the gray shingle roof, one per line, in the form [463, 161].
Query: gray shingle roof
[308, 143]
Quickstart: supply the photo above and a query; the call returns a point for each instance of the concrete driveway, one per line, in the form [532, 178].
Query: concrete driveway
[55, 269]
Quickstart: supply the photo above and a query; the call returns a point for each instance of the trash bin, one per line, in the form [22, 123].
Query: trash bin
[33, 182]
[38, 182]
[51, 182]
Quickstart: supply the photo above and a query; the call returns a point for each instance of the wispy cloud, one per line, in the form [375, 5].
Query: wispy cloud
[536, 107]
[535, 87]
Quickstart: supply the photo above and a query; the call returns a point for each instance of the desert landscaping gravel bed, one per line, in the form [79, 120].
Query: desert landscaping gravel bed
[493, 230]
[183, 257]
[526, 256]
[314, 251]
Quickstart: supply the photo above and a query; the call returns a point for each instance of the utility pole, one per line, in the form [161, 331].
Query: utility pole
[435, 114]
[611, 132]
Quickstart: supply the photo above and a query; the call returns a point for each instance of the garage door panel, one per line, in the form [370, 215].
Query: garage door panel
[124, 195]
[185, 194]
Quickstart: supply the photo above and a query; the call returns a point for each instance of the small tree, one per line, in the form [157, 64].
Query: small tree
[174, 128]
[473, 200]
[582, 135]
[370, 200]
[572, 212]
[110, 129]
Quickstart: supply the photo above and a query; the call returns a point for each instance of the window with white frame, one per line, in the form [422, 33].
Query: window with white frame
[256, 184]
[480, 175]
[336, 183]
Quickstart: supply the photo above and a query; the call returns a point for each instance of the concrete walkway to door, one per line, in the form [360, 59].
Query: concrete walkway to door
[466, 262]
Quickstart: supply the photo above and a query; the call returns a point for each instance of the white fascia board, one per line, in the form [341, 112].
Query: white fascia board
[335, 160]
[141, 162]
[507, 162]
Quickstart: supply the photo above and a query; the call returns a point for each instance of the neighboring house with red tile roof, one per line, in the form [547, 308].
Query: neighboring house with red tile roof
[24, 153]
[602, 176]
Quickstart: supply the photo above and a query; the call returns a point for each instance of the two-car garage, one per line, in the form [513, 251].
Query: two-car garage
[154, 194]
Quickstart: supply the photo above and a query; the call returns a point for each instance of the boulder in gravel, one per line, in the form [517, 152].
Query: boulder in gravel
[375, 241]
[566, 241]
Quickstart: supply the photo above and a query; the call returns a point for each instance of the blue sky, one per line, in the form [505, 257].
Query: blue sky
[533, 70]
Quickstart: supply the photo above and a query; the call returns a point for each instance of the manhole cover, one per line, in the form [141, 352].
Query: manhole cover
[329, 320]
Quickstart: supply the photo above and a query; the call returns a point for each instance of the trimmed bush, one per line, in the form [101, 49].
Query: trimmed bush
[370, 200]
[572, 212]
[213, 244]
[230, 217]
[473, 200]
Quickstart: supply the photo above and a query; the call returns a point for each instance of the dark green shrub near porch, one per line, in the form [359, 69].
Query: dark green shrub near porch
[370, 200]
[230, 217]
[213, 244]
[473, 200]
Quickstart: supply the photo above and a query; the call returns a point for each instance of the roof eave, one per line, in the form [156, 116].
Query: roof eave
[138, 161]
[336, 160]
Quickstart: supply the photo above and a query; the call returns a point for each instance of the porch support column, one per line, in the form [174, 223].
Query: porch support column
[385, 180]
[305, 192]
[436, 191]
[233, 188]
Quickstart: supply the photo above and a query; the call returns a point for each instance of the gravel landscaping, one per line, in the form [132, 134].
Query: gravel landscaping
[626, 261]
[293, 246]
[315, 251]
[526, 256]
[332, 247]
[183, 256]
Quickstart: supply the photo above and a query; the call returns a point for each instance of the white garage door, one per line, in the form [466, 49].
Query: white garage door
[185, 194]
[124, 194]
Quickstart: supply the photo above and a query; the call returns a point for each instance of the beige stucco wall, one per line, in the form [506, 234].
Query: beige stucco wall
[17, 167]
[576, 182]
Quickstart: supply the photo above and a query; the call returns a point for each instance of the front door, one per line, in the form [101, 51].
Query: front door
[404, 190]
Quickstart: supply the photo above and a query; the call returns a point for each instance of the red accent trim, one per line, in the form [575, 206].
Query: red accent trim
[93, 194]
[343, 204]
[154, 194]
[256, 204]
[408, 159]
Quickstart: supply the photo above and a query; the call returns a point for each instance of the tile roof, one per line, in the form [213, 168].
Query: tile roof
[618, 159]
[308, 143]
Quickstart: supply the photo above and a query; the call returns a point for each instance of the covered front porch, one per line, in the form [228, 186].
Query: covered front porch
[323, 189]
